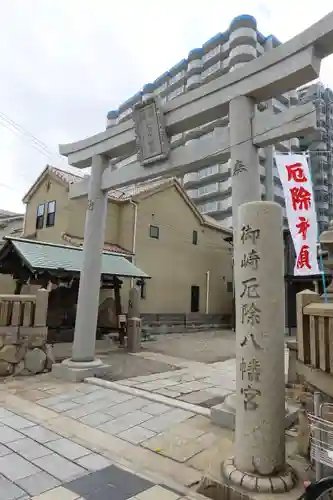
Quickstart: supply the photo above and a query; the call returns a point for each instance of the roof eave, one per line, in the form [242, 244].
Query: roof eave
[10, 241]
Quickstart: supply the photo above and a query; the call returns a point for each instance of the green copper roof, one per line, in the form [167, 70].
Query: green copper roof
[41, 255]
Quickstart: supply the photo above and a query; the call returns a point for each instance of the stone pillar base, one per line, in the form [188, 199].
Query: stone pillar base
[261, 484]
[77, 371]
[224, 414]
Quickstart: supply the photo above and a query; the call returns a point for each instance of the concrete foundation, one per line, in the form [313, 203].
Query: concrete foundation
[224, 414]
[75, 371]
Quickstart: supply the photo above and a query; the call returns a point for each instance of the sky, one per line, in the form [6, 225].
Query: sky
[66, 63]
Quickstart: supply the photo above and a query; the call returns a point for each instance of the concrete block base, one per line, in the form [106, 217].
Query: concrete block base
[224, 414]
[77, 371]
[280, 483]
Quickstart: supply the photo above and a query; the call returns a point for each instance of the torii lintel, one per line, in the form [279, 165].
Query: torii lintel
[267, 129]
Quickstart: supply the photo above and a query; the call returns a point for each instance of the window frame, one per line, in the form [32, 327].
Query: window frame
[195, 237]
[143, 290]
[154, 236]
[40, 217]
[50, 215]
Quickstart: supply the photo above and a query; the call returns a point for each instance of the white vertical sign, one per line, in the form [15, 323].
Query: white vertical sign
[295, 177]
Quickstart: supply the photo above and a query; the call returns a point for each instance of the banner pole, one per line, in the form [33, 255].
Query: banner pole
[321, 262]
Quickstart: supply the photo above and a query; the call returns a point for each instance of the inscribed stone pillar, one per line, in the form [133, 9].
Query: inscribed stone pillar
[243, 154]
[259, 461]
[260, 383]
[133, 321]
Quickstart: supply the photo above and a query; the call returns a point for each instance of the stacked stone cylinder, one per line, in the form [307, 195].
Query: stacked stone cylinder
[259, 291]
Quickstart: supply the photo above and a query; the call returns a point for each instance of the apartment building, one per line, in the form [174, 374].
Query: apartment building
[320, 148]
[210, 188]
[11, 224]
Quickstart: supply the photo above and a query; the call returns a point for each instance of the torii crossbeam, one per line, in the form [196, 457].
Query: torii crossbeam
[267, 129]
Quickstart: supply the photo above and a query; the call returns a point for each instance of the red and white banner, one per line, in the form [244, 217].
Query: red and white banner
[295, 177]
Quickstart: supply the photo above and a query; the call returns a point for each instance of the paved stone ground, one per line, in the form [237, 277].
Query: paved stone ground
[123, 364]
[205, 347]
[56, 437]
[68, 441]
[41, 464]
[194, 382]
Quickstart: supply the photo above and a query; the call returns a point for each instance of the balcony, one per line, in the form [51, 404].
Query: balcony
[215, 207]
[282, 147]
[190, 178]
[278, 191]
[284, 99]
[293, 97]
[319, 186]
[294, 142]
[278, 106]
[322, 206]
[321, 123]
[212, 172]
[323, 216]
[210, 190]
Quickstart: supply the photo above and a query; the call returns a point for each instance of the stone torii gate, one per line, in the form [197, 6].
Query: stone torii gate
[280, 70]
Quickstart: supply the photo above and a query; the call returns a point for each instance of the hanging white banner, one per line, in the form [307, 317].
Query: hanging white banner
[295, 177]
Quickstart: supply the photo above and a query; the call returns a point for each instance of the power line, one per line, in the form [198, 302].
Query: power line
[42, 148]
[37, 142]
[7, 186]
[19, 129]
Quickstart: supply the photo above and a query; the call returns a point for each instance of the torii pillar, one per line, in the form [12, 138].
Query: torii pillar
[83, 363]
[280, 70]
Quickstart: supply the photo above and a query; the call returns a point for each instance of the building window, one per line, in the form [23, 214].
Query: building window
[40, 216]
[209, 71]
[206, 172]
[154, 232]
[175, 93]
[176, 77]
[213, 52]
[51, 211]
[211, 206]
[142, 285]
[195, 299]
[208, 188]
[195, 237]
[192, 193]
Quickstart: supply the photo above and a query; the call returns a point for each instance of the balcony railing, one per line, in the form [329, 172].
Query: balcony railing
[315, 331]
